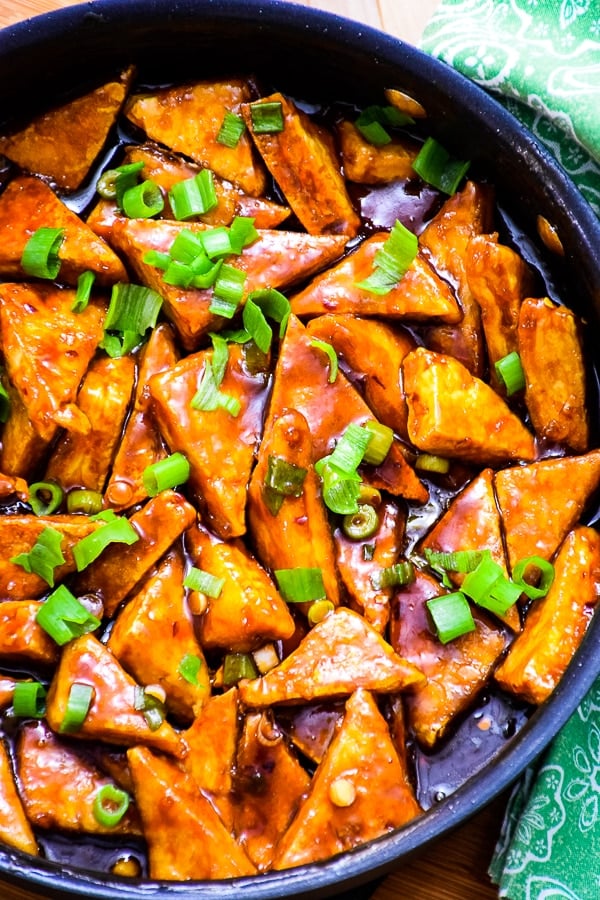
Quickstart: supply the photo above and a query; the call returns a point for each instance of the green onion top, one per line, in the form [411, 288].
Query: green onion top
[64, 617]
[266, 117]
[451, 616]
[45, 555]
[300, 585]
[117, 530]
[435, 166]
[189, 667]
[85, 283]
[40, 257]
[166, 473]
[203, 582]
[231, 130]
[510, 373]
[110, 805]
[79, 702]
[132, 311]
[193, 197]
[392, 260]
[29, 700]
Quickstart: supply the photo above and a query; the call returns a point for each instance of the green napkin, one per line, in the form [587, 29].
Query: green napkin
[541, 58]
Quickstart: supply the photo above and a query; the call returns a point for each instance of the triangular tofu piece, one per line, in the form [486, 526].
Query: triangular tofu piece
[27, 204]
[112, 716]
[187, 119]
[301, 158]
[83, 460]
[452, 413]
[158, 617]
[64, 142]
[276, 259]
[249, 611]
[556, 623]
[329, 407]
[540, 503]
[420, 296]
[185, 836]
[371, 353]
[219, 446]
[120, 567]
[18, 534]
[361, 561]
[22, 639]
[270, 784]
[141, 444]
[445, 240]
[66, 799]
[455, 671]
[22, 449]
[15, 828]
[303, 530]
[359, 792]
[340, 654]
[47, 348]
[472, 522]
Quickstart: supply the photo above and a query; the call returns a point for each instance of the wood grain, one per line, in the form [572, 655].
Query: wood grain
[456, 867]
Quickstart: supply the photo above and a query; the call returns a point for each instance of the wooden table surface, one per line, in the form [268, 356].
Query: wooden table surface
[455, 868]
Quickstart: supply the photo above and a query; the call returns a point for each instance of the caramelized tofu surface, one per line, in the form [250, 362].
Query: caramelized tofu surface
[21, 637]
[15, 828]
[367, 163]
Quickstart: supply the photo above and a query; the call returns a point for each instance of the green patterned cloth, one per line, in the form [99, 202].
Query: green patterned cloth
[541, 58]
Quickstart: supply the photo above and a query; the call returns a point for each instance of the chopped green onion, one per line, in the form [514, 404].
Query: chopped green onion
[166, 473]
[545, 570]
[78, 705]
[110, 805]
[193, 197]
[455, 560]
[488, 586]
[187, 247]
[331, 355]
[44, 556]
[85, 282]
[378, 447]
[451, 616]
[152, 708]
[300, 585]
[189, 668]
[40, 257]
[208, 397]
[362, 524]
[64, 617]
[257, 326]
[392, 260]
[228, 291]
[106, 185]
[350, 449]
[282, 479]
[340, 490]
[29, 700]
[82, 500]
[142, 201]
[45, 497]
[132, 310]
[242, 233]
[267, 117]
[374, 121]
[274, 305]
[429, 462]
[157, 259]
[203, 582]
[510, 373]
[237, 666]
[398, 575]
[217, 242]
[119, 530]
[231, 130]
[126, 177]
[435, 166]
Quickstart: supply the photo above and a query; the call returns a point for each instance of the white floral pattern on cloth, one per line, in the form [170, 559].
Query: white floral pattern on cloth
[542, 59]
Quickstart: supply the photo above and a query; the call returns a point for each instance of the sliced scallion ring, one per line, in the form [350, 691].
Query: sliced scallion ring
[362, 524]
[437, 167]
[29, 700]
[166, 473]
[143, 200]
[451, 616]
[85, 283]
[110, 805]
[45, 497]
[40, 257]
[546, 572]
[231, 130]
[331, 356]
[203, 582]
[79, 702]
[64, 617]
[301, 584]
[193, 197]
[510, 373]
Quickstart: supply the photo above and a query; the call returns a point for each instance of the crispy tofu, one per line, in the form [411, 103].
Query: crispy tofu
[454, 414]
[454, 672]
[302, 383]
[541, 503]
[549, 341]
[141, 445]
[339, 655]
[270, 784]
[186, 838]
[302, 161]
[360, 561]
[47, 349]
[556, 623]
[121, 567]
[113, 715]
[371, 353]
[26, 204]
[83, 460]
[277, 259]
[359, 792]
[445, 241]
[22, 640]
[158, 617]
[249, 611]
[367, 163]
[188, 118]
[303, 530]
[22, 450]
[420, 295]
[66, 800]
[15, 828]
[218, 445]
[64, 142]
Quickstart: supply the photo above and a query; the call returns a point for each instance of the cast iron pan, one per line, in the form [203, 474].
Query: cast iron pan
[312, 54]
